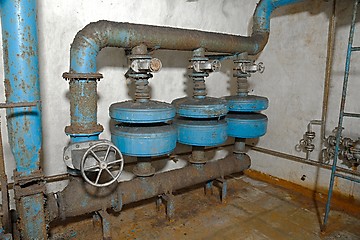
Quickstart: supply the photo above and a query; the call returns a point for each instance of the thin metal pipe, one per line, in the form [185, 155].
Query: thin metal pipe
[89, 199]
[357, 180]
[341, 115]
[301, 160]
[18, 104]
[328, 69]
[354, 115]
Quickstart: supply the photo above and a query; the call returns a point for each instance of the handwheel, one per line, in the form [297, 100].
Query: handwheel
[100, 155]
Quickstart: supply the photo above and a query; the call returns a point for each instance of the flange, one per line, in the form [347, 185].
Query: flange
[201, 132]
[143, 140]
[246, 125]
[207, 107]
[142, 112]
[248, 103]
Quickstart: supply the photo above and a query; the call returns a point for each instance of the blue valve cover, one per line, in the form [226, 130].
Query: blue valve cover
[207, 107]
[249, 103]
[141, 112]
[246, 125]
[143, 141]
[201, 132]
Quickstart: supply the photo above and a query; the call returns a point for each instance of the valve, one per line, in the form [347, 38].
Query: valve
[248, 67]
[206, 66]
[146, 65]
[100, 158]
[355, 150]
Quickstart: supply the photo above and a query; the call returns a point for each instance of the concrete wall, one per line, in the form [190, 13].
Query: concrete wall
[293, 80]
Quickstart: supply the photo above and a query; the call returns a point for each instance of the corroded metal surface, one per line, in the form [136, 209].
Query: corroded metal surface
[22, 82]
[83, 107]
[90, 199]
[95, 36]
[5, 207]
[22, 85]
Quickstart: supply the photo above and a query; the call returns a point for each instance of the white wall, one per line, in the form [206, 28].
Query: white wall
[293, 81]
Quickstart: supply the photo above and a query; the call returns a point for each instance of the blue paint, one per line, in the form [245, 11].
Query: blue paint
[144, 141]
[84, 137]
[263, 12]
[20, 44]
[201, 132]
[207, 107]
[32, 217]
[249, 103]
[246, 125]
[6, 236]
[142, 112]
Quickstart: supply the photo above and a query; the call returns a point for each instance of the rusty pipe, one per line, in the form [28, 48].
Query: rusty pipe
[97, 35]
[328, 70]
[79, 197]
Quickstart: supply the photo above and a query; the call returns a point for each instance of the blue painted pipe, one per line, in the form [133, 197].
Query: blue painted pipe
[20, 46]
[263, 12]
[95, 36]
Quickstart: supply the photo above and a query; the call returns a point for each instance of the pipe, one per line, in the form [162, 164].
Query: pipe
[329, 62]
[301, 160]
[22, 85]
[19, 35]
[97, 35]
[90, 199]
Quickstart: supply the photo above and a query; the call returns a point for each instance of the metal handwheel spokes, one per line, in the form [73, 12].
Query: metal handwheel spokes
[100, 160]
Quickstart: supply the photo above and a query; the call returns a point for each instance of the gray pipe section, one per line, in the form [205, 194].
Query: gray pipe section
[97, 35]
[79, 198]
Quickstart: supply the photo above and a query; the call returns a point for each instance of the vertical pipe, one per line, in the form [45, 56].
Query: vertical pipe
[19, 35]
[329, 62]
[20, 46]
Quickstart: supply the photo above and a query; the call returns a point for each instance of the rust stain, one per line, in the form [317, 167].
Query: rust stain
[339, 201]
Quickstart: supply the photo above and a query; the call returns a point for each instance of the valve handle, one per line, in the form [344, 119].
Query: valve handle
[100, 154]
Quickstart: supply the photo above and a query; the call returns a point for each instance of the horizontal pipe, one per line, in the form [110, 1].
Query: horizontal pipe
[301, 160]
[357, 180]
[97, 35]
[79, 198]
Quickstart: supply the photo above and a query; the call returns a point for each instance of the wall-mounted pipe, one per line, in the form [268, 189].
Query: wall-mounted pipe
[95, 36]
[20, 46]
[19, 36]
[90, 199]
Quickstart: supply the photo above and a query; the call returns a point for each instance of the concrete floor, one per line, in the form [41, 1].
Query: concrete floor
[253, 210]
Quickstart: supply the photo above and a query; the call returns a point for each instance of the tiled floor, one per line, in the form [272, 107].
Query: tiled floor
[253, 210]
